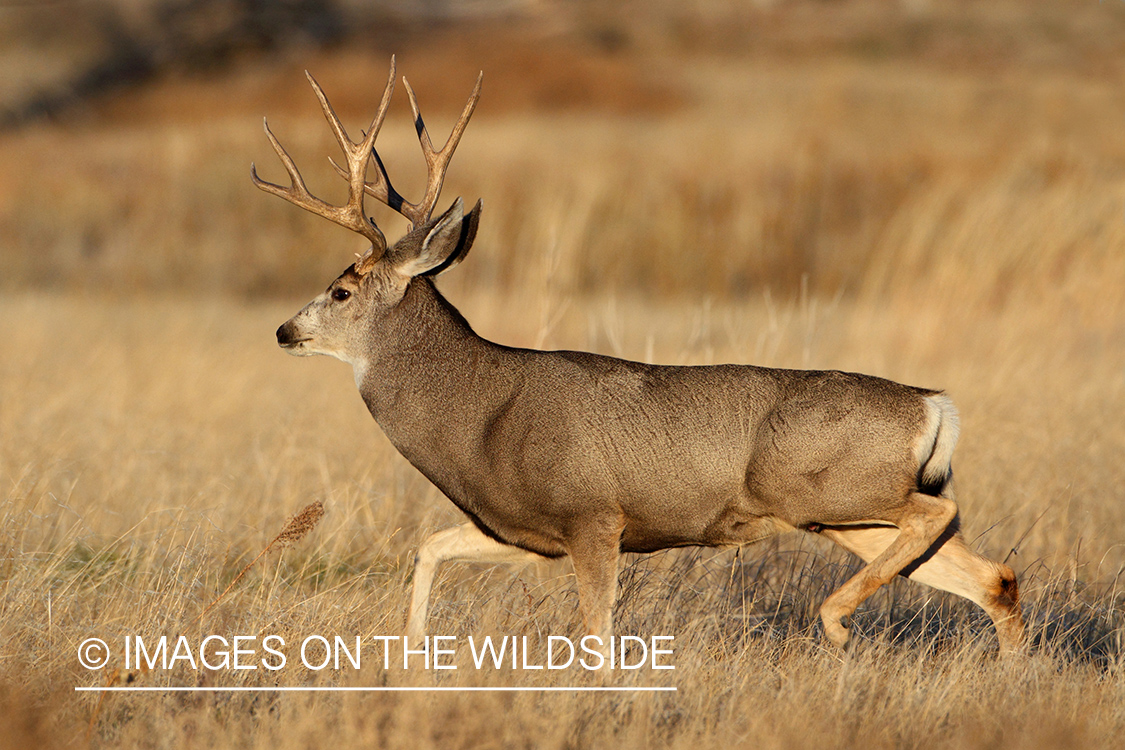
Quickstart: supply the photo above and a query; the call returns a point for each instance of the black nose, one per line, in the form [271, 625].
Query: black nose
[284, 334]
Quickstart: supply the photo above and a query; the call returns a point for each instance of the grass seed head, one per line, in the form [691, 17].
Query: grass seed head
[300, 525]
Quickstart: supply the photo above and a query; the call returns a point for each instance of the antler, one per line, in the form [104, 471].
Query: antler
[436, 163]
[352, 214]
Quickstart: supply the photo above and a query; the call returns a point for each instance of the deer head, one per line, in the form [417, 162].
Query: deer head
[339, 321]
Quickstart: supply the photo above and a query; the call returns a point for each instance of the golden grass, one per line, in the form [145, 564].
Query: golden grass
[297, 529]
[911, 220]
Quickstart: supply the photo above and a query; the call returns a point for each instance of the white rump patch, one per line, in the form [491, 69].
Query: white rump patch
[933, 448]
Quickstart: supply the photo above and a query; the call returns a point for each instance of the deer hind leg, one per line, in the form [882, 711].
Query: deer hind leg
[924, 520]
[464, 543]
[950, 565]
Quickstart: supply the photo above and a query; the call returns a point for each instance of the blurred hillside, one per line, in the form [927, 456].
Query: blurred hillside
[59, 53]
[719, 147]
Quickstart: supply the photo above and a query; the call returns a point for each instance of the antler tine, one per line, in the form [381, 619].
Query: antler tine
[437, 162]
[352, 214]
[298, 195]
[381, 188]
[356, 151]
[297, 185]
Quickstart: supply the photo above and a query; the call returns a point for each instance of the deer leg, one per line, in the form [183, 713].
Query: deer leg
[923, 520]
[950, 565]
[595, 552]
[464, 543]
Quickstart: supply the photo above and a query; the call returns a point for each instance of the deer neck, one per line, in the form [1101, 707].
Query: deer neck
[424, 359]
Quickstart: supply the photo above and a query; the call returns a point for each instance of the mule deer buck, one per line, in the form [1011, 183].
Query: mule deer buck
[553, 453]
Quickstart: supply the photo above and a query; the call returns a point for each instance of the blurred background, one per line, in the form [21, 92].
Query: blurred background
[714, 147]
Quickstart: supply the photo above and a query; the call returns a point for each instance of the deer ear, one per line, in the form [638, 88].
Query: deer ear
[445, 244]
[464, 240]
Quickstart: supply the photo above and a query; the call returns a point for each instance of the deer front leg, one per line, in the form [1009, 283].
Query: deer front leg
[594, 551]
[464, 543]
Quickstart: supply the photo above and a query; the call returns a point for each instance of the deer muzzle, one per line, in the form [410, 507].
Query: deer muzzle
[288, 337]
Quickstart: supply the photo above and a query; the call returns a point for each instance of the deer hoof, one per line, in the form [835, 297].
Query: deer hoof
[837, 629]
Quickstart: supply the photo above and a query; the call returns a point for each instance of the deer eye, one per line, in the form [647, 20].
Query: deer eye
[340, 294]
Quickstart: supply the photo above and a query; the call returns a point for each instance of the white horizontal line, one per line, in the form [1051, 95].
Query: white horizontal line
[313, 689]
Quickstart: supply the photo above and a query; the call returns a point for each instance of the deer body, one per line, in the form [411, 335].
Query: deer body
[556, 453]
[682, 455]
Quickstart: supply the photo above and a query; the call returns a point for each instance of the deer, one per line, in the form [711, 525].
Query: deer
[574, 454]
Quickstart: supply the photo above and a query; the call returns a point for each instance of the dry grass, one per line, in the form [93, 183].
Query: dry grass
[902, 216]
